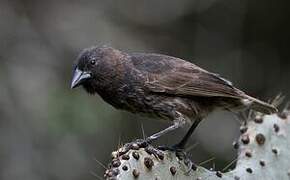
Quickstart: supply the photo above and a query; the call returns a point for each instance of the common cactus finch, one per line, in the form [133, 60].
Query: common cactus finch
[160, 86]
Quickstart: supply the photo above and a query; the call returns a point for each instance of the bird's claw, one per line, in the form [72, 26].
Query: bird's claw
[180, 154]
[137, 144]
[143, 143]
[168, 148]
[157, 152]
[175, 148]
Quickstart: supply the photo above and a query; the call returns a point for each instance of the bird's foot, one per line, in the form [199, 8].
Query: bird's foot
[180, 154]
[137, 144]
[175, 148]
[142, 143]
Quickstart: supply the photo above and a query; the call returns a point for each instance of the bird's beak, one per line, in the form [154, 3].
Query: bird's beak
[79, 77]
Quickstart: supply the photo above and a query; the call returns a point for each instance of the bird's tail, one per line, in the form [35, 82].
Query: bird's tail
[261, 106]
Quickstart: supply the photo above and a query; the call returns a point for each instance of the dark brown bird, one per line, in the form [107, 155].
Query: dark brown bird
[160, 86]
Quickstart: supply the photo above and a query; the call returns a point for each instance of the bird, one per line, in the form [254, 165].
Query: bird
[159, 86]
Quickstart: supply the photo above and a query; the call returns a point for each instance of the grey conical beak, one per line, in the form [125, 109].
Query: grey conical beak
[79, 77]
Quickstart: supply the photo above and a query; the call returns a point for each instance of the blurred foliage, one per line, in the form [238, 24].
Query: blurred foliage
[77, 114]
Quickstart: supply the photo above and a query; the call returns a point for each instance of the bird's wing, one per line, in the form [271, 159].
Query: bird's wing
[175, 76]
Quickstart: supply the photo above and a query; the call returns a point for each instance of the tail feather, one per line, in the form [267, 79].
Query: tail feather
[261, 106]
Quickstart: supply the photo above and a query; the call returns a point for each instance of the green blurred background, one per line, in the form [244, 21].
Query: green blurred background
[49, 132]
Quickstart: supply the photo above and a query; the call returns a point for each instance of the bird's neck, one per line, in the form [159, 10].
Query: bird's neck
[110, 75]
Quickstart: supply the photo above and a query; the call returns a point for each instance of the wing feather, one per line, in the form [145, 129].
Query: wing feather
[175, 76]
[193, 84]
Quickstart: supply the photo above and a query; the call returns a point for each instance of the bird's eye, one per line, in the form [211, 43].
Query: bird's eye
[93, 62]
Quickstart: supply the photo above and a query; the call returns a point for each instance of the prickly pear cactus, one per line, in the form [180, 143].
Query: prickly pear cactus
[263, 153]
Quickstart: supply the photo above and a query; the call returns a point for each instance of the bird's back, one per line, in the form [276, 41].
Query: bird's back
[174, 77]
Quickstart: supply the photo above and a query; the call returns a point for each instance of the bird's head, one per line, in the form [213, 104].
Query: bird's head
[89, 65]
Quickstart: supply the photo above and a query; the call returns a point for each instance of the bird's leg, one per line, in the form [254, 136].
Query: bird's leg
[177, 124]
[184, 140]
[242, 117]
[178, 148]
